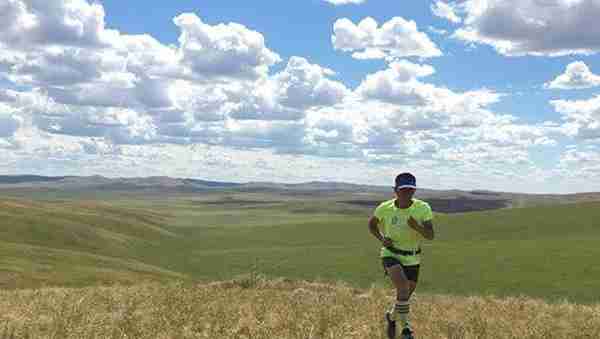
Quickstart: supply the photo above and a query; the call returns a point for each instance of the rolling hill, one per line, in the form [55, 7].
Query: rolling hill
[547, 252]
[64, 243]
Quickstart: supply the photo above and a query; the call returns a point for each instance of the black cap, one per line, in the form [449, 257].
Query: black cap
[406, 180]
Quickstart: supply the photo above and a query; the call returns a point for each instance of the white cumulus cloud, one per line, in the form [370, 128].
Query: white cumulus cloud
[53, 22]
[576, 76]
[533, 27]
[224, 49]
[287, 94]
[446, 11]
[582, 117]
[9, 121]
[395, 38]
[398, 84]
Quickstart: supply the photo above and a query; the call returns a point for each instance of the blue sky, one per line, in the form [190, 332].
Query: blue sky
[304, 28]
[475, 94]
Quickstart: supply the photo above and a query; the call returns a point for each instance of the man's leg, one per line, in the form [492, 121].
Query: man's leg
[403, 292]
[412, 274]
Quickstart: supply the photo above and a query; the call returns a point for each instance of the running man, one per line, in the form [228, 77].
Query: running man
[405, 221]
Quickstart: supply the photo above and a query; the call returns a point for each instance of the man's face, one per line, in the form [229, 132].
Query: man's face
[405, 194]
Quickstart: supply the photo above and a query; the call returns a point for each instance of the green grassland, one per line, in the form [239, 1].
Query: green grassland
[548, 252]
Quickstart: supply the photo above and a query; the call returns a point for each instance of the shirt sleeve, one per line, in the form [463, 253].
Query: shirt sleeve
[379, 212]
[427, 214]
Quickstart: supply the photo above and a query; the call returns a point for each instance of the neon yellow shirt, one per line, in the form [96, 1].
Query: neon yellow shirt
[393, 223]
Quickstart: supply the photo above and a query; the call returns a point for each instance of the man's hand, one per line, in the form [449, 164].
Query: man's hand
[426, 230]
[387, 242]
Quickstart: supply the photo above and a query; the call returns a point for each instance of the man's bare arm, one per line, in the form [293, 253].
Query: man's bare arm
[374, 228]
[426, 230]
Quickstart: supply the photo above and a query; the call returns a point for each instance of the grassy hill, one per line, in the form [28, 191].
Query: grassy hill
[544, 252]
[73, 244]
[280, 308]
[547, 252]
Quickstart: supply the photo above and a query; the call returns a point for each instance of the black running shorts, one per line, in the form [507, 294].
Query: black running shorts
[411, 272]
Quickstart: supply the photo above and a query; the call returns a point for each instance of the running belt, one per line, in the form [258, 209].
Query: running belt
[403, 252]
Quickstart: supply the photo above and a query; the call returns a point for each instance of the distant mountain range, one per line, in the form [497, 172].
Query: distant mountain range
[358, 195]
[169, 183]
[100, 182]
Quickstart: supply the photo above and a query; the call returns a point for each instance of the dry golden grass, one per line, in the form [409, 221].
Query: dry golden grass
[254, 307]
